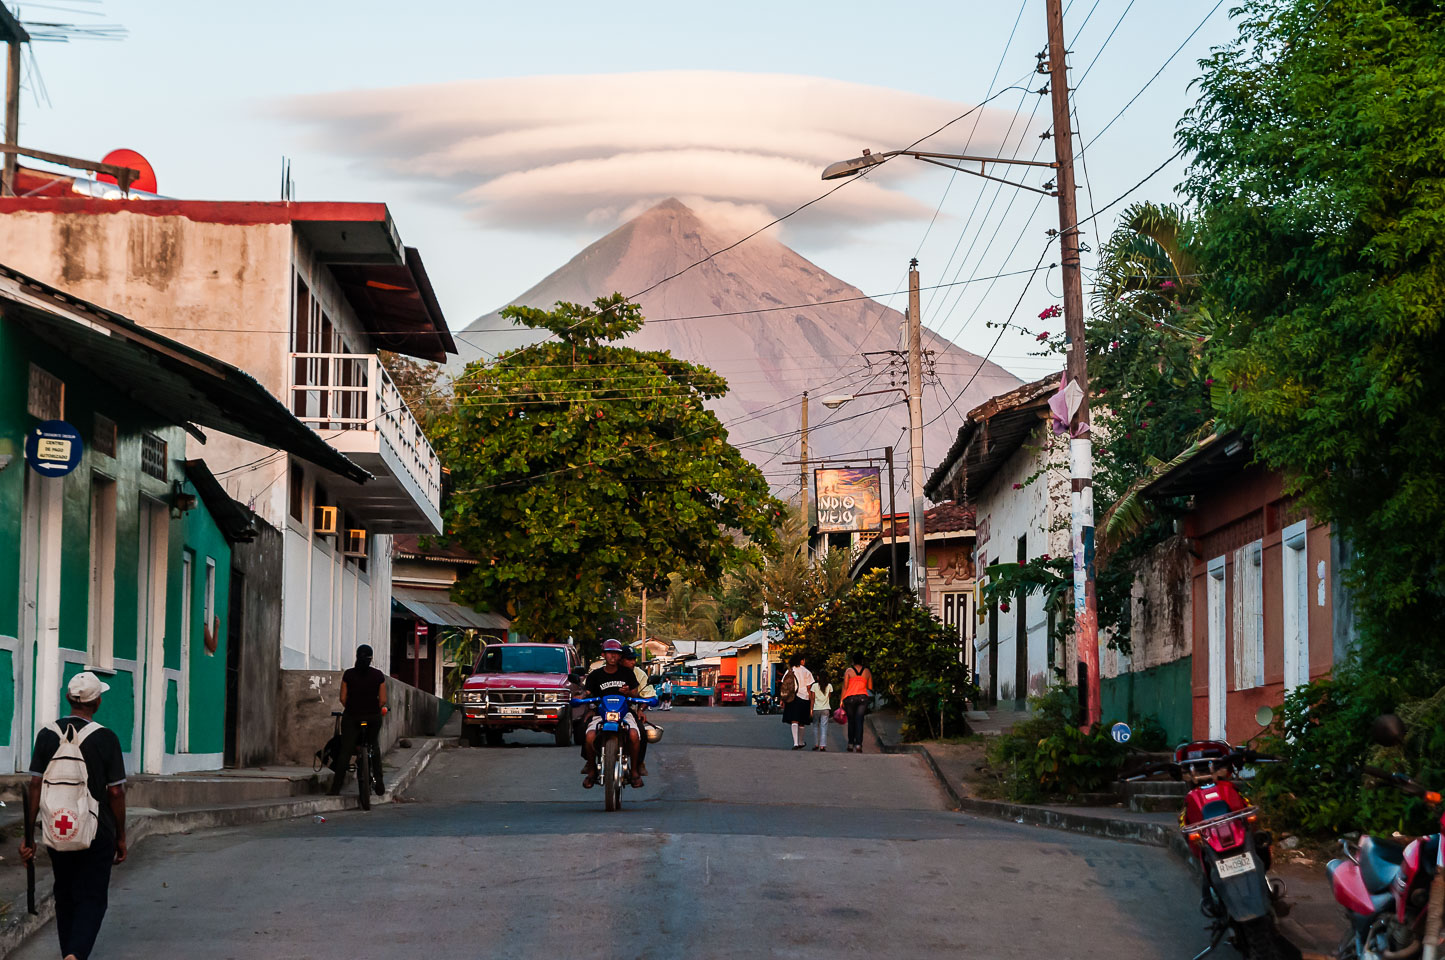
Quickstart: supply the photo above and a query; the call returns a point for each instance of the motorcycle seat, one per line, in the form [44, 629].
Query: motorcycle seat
[1380, 862]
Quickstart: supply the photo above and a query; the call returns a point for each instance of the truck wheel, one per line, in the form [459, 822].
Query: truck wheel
[612, 774]
[494, 737]
[563, 733]
[473, 735]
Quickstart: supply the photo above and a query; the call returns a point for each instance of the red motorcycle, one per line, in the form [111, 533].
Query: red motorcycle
[1233, 856]
[1393, 894]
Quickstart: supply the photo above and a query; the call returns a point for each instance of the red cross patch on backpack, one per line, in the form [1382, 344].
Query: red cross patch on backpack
[69, 814]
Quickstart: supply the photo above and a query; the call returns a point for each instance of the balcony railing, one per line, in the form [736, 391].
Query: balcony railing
[352, 391]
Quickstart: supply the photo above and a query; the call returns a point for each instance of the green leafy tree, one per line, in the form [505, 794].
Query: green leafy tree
[1318, 174]
[580, 468]
[916, 661]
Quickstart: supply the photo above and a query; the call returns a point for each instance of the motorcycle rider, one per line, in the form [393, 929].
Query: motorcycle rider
[612, 678]
[645, 689]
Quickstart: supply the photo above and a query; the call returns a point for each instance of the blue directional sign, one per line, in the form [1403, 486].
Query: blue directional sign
[53, 448]
[1121, 732]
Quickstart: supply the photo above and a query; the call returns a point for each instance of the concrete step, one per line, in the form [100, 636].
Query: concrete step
[1154, 803]
[180, 790]
[1157, 788]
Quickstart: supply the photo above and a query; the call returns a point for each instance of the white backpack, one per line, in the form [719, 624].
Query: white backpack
[69, 814]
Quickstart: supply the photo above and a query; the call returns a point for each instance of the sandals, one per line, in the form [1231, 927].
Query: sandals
[588, 782]
[636, 781]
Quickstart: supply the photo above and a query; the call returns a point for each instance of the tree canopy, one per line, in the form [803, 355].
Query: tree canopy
[579, 467]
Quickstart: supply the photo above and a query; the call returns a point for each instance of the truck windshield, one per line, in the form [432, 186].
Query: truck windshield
[509, 659]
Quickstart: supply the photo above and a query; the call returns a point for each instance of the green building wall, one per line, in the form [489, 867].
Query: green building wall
[86, 395]
[1164, 692]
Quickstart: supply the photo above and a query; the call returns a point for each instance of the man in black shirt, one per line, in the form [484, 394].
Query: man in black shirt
[612, 678]
[363, 697]
[82, 877]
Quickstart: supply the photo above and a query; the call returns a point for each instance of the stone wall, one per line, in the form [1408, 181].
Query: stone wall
[307, 698]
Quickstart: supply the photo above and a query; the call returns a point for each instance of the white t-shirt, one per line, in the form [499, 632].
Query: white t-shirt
[820, 696]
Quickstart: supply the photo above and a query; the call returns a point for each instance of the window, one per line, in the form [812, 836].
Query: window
[1215, 610]
[1248, 607]
[102, 438]
[513, 658]
[297, 493]
[208, 610]
[46, 400]
[1294, 591]
[153, 456]
[188, 588]
[101, 645]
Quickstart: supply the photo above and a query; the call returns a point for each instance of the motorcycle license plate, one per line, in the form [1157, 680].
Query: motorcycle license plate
[1234, 866]
[511, 711]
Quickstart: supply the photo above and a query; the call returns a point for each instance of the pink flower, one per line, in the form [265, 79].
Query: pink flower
[1018, 486]
[1113, 344]
[1167, 285]
[1209, 382]
[1050, 312]
[1042, 336]
[1144, 425]
[1003, 607]
[1158, 324]
[1044, 556]
[1149, 404]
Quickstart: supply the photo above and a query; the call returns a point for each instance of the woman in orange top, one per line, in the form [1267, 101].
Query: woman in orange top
[857, 691]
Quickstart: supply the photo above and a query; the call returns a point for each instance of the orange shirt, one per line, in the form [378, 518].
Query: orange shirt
[856, 684]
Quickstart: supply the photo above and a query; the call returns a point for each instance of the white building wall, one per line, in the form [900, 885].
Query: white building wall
[1037, 510]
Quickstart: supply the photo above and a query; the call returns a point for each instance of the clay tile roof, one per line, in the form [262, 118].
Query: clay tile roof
[409, 545]
[946, 517]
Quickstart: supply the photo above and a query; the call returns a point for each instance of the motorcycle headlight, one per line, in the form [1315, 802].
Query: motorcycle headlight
[613, 716]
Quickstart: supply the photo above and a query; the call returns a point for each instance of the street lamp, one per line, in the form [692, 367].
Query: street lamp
[836, 400]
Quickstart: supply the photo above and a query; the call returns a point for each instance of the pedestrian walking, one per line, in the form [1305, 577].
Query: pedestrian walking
[822, 713]
[857, 691]
[797, 694]
[77, 790]
[363, 698]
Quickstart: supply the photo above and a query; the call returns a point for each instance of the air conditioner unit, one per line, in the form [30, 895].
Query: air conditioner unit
[325, 522]
[355, 544]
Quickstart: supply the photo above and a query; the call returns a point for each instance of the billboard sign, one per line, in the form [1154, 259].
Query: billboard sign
[849, 499]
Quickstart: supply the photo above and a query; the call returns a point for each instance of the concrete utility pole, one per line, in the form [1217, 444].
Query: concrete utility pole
[918, 577]
[642, 625]
[1081, 444]
[803, 457]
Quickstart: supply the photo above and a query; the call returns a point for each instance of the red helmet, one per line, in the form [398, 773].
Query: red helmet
[609, 646]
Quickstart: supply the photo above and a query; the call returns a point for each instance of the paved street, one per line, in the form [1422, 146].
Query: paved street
[735, 848]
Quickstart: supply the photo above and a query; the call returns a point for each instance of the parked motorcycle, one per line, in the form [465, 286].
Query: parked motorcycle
[1392, 894]
[766, 703]
[1239, 899]
[612, 765]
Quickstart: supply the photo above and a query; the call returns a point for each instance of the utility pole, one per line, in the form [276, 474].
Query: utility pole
[803, 458]
[1081, 444]
[892, 522]
[642, 625]
[918, 578]
[14, 35]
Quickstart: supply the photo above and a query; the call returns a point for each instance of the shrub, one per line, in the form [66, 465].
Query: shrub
[1048, 755]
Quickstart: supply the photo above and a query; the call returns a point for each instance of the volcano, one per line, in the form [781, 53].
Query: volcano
[772, 323]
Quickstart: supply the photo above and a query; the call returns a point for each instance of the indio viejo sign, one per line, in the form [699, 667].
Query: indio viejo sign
[849, 499]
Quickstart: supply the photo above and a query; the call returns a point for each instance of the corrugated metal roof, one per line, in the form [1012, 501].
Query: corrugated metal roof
[436, 606]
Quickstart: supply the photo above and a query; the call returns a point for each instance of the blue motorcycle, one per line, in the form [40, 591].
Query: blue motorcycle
[613, 765]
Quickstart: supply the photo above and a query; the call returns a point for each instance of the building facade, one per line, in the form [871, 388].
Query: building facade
[303, 296]
[122, 564]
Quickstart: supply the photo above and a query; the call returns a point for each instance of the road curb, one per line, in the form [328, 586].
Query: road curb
[16, 928]
[1108, 828]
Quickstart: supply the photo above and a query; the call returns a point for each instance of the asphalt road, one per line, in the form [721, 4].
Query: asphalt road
[736, 847]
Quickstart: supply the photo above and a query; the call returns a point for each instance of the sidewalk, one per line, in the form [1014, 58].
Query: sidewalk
[1315, 923]
[220, 798]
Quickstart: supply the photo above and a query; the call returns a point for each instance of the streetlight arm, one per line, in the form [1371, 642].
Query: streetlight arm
[849, 168]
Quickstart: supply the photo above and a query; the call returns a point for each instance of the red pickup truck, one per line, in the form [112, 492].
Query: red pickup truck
[518, 686]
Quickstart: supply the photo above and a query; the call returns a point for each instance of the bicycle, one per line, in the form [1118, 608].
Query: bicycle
[367, 762]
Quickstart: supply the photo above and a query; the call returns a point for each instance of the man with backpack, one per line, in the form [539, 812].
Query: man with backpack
[77, 798]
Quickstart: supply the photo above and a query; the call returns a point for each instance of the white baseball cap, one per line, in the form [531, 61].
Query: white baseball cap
[85, 687]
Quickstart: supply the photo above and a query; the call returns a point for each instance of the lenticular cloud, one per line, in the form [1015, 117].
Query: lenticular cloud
[554, 152]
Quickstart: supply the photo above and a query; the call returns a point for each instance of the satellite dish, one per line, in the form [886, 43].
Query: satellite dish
[146, 182]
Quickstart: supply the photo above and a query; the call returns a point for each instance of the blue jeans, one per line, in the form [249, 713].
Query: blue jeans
[821, 719]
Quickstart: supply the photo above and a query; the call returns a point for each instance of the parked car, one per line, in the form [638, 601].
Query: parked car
[518, 686]
[728, 692]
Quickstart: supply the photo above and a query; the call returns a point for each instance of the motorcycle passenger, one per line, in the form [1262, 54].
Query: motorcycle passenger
[645, 689]
[612, 678]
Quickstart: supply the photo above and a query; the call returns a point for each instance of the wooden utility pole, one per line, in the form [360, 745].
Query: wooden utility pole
[803, 457]
[642, 625]
[918, 568]
[1081, 447]
[892, 522]
[13, 34]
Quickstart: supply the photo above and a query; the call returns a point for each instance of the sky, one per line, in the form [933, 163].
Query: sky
[506, 137]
